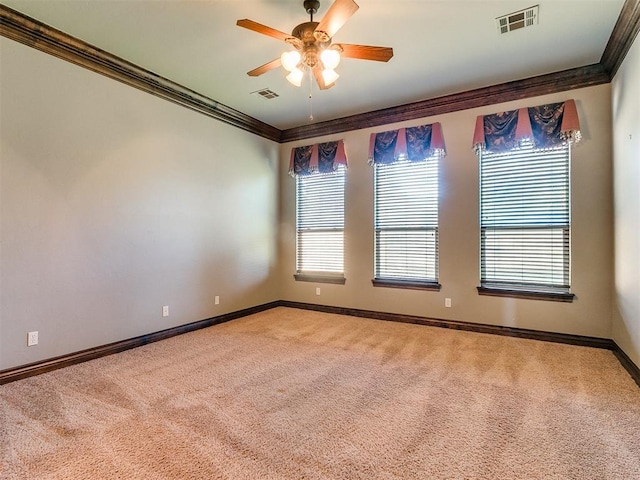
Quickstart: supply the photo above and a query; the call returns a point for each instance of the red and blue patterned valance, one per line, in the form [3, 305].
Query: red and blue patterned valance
[320, 158]
[411, 143]
[547, 126]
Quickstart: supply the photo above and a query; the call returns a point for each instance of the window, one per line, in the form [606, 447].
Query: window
[525, 222]
[406, 223]
[320, 226]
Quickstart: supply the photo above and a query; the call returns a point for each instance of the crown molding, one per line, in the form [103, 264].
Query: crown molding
[541, 85]
[26, 30]
[622, 37]
[35, 34]
[620, 41]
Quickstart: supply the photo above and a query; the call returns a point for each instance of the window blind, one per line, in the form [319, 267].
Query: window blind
[525, 219]
[320, 223]
[406, 220]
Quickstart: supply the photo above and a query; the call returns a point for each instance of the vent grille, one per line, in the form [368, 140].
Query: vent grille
[266, 93]
[517, 20]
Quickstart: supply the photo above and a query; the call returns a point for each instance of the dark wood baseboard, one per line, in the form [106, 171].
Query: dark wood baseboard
[580, 340]
[627, 363]
[24, 371]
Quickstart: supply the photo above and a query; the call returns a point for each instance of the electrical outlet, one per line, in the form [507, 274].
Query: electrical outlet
[32, 339]
[447, 302]
[165, 311]
[216, 300]
[317, 290]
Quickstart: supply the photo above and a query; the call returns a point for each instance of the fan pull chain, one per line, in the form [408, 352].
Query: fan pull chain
[310, 96]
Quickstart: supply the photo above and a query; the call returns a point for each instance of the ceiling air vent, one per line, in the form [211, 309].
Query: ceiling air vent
[520, 19]
[266, 93]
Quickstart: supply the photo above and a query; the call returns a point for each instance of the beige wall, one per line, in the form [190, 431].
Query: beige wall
[114, 203]
[589, 314]
[626, 151]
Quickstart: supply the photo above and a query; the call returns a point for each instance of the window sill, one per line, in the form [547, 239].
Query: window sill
[527, 294]
[409, 284]
[319, 278]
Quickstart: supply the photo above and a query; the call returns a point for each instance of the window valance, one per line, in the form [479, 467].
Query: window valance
[319, 158]
[412, 143]
[546, 126]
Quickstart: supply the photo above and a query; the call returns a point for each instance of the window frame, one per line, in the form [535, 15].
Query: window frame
[528, 289]
[314, 223]
[382, 278]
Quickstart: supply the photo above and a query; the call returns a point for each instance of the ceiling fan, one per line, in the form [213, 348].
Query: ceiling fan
[312, 45]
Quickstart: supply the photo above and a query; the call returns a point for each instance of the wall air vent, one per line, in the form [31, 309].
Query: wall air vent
[266, 93]
[516, 20]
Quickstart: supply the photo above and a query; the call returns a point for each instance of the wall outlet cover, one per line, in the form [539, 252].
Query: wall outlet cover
[32, 339]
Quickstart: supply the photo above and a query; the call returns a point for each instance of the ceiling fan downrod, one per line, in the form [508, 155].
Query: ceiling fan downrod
[311, 7]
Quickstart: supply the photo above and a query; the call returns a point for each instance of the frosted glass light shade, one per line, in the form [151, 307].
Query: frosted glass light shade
[295, 77]
[330, 58]
[290, 60]
[329, 76]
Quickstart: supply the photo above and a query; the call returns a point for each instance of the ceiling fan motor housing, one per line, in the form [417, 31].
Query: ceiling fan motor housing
[311, 6]
[310, 46]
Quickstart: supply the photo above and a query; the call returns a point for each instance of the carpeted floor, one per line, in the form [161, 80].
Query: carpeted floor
[293, 394]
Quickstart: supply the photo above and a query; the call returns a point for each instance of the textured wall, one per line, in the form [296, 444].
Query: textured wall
[626, 153]
[589, 314]
[115, 203]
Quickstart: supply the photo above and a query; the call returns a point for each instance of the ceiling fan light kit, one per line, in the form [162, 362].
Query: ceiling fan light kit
[290, 60]
[313, 50]
[329, 76]
[330, 58]
[295, 77]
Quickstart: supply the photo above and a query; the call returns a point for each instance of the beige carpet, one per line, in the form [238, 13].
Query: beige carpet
[291, 394]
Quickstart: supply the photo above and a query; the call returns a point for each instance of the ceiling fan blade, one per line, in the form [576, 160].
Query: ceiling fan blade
[366, 52]
[265, 68]
[317, 73]
[336, 17]
[263, 29]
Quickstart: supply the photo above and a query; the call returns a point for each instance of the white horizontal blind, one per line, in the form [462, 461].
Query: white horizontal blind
[320, 223]
[406, 221]
[525, 219]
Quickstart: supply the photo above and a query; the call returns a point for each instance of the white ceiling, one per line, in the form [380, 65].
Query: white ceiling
[440, 47]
